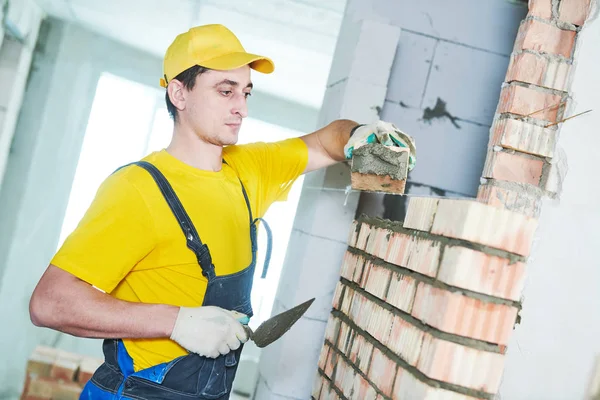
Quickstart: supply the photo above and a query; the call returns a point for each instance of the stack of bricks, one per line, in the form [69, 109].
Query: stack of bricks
[53, 374]
[425, 308]
[521, 166]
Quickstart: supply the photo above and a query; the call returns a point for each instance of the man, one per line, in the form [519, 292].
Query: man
[171, 241]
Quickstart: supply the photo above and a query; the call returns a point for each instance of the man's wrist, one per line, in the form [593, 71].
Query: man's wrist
[355, 128]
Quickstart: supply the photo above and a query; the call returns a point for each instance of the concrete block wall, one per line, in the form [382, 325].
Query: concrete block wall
[444, 85]
[426, 307]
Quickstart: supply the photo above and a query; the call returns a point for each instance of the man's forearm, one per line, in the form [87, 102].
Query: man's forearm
[67, 304]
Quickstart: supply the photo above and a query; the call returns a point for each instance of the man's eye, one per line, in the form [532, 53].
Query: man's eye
[225, 92]
[248, 94]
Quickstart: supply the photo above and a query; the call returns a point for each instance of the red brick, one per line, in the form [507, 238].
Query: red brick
[455, 313]
[348, 265]
[344, 342]
[317, 385]
[401, 292]
[337, 295]
[41, 388]
[327, 393]
[460, 365]
[487, 225]
[417, 254]
[405, 340]
[323, 356]
[353, 234]
[358, 310]
[420, 213]
[382, 372]
[67, 391]
[540, 8]
[360, 353]
[512, 200]
[378, 242]
[409, 387]
[333, 329]
[574, 11]
[424, 256]
[344, 377]
[363, 236]
[65, 366]
[524, 137]
[529, 102]
[87, 367]
[545, 38]
[41, 360]
[398, 249]
[379, 322]
[362, 389]
[359, 271]
[513, 168]
[332, 361]
[482, 273]
[539, 70]
[347, 301]
[377, 183]
[377, 281]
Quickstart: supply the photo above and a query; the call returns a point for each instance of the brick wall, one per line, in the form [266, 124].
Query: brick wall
[425, 307]
[56, 374]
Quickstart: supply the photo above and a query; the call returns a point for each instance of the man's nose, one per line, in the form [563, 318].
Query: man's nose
[241, 106]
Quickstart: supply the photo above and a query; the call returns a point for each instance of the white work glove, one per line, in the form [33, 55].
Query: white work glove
[209, 331]
[381, 132]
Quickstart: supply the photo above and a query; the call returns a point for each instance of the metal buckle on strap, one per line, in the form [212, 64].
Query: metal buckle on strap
[204, 257]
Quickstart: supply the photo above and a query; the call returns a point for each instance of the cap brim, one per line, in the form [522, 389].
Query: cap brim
[237, 60]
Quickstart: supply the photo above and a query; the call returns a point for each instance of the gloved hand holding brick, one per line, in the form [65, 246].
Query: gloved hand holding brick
[381, 157]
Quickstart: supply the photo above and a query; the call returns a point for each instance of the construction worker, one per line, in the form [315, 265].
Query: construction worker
[162, 263]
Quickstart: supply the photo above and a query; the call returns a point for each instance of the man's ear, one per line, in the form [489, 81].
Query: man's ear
[177, 94]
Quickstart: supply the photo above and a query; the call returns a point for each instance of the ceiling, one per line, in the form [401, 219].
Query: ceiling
[299, 35]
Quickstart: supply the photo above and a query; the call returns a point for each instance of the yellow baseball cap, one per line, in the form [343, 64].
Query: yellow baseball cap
[210, 46]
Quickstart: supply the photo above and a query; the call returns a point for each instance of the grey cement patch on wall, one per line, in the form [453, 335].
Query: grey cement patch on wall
[448, 158]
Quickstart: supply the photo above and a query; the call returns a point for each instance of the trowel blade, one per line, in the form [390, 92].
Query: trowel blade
[273, 328]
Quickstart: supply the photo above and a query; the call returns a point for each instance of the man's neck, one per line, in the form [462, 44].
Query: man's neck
[192, 150]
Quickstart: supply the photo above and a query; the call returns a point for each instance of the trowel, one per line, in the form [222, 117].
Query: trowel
[274, 328]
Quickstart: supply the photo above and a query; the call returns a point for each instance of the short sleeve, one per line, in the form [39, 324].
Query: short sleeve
[115, 233]
[279, 164]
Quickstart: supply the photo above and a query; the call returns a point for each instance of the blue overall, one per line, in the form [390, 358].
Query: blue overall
[191, 376]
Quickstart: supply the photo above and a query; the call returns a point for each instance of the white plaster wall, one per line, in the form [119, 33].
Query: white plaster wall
[552, 351]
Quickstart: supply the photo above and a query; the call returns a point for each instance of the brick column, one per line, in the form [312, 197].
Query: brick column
[425, 307]
[522, 165]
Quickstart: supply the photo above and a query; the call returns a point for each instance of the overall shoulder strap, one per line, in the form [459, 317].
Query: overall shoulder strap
[253, 231]
[192, 238]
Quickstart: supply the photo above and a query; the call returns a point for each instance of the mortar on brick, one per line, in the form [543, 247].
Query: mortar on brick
[414, 371]
[465, 341]
[396, 226]
[377, 159]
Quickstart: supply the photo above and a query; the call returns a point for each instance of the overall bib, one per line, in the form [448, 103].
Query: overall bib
[191, 376]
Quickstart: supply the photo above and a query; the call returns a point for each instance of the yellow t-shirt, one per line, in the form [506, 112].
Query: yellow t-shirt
[130, 245]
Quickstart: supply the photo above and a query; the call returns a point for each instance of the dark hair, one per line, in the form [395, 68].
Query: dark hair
[188, 78]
